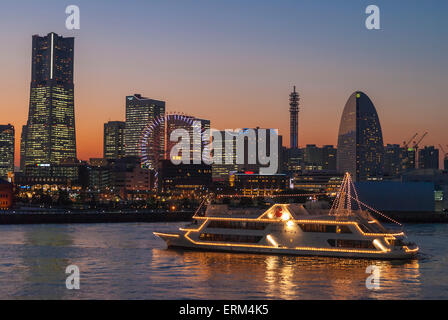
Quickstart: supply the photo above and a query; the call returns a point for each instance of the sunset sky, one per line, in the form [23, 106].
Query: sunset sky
[235, 62]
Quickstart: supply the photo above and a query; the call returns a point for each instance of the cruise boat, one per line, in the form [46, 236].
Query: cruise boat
[294, 230]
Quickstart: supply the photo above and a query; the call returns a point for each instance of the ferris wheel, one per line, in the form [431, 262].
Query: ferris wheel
[155, 144]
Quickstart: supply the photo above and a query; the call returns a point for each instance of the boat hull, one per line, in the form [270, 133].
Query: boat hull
[180, 242]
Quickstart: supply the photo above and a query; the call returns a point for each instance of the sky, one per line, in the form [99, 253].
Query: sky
[235, 62]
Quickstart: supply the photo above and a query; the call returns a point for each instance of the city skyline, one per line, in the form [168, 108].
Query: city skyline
[402, 71]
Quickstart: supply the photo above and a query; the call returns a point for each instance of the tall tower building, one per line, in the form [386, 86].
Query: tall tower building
[50, 134]
[23, 147]
[7, 140]
[360, 141]
[294, 119]
[113, 146]
[140, 112]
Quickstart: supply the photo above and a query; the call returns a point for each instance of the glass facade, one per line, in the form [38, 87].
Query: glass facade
[7, 139]
[140, 113]
[113, 145]
[50, 131]
[360, 142]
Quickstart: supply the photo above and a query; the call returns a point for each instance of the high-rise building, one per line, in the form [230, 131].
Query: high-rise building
[329, 156]
[23, 147]
[294, 119]
[428, 158]
[221, 171]
[360, 141]
[196, 128]
[140, 112]
[7, 140]
[113, 145]
[393, 160]
[50, 134]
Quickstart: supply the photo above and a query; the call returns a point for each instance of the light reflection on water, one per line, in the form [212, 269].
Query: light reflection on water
[126, 261]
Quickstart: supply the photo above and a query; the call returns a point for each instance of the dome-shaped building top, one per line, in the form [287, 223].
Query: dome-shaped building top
[360, 140]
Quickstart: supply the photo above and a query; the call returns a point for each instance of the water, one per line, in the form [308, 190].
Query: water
[126, 261]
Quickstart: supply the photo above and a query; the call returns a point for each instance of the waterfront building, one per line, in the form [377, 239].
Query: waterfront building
[428, 158]
[184, 178]
[50, 129]
[253, 184]
[113, 145]
[317, 181]
[140, 113]
[7, 147]
[294, 160]
[360, 141]
[6, 195]
[72, 175]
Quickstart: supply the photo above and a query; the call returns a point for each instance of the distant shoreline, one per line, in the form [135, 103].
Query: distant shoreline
[42, 216]
[19, 217]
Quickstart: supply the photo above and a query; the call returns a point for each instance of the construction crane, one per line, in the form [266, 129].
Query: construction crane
[443, 150]
[406, 144]
[416, 146]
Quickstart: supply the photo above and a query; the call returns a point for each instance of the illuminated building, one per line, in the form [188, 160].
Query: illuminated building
[221, 171]
[195, 128]
[113, 145]
[317, 181]
[294, 119]
[6, 195]
[360, 141]
[428, 158]
[393, 160]
[184, 177]
[316, 158]
[251, 151]
[250, 183]
[140, 112]
[72, 175]
[7, 147]
[50, 133]
[23, 147]
[294, 160]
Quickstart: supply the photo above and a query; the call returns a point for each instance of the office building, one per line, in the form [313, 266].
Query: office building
[113, 145]
[140, 113]
[50, 133]
[7, 147]
[428, 158]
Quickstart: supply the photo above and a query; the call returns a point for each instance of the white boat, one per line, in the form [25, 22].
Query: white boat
[294, 230]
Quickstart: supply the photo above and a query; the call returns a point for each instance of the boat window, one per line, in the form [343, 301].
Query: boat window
[318, 228]
[343, 229]
[358, 244]
[229, 238]
[222, 224]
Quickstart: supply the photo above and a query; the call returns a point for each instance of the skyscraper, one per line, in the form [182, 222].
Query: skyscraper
[113, 145]
[7, 140]
[50, 134]
[294, 119]
[360, 141]
[428, 158]
[23, 147]
[140, 112]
